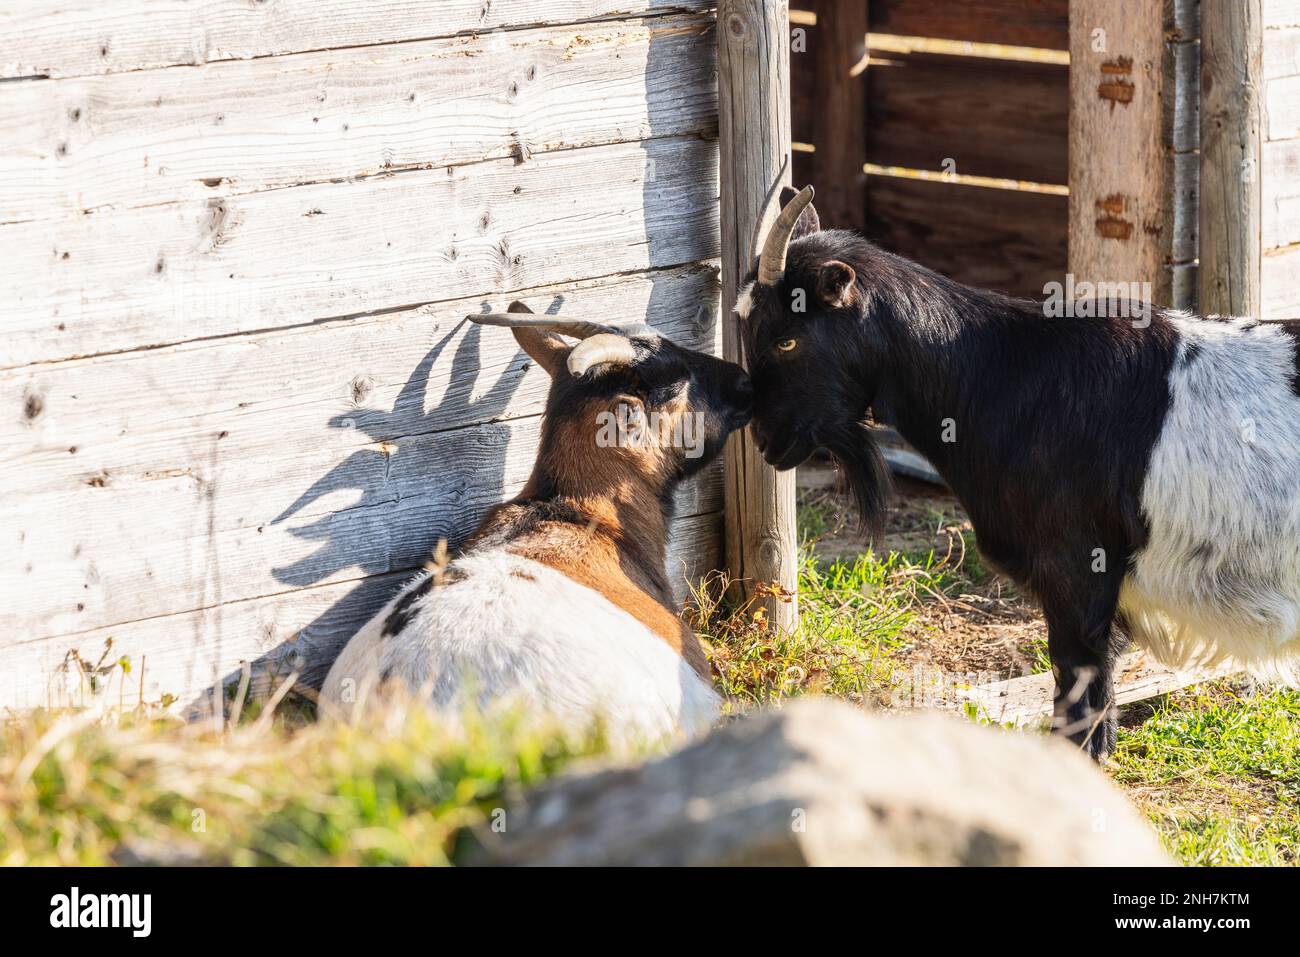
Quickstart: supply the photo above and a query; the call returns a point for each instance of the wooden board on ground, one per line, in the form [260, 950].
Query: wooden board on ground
[1028, 700]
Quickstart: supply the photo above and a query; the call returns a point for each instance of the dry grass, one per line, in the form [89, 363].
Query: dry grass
[89, 788]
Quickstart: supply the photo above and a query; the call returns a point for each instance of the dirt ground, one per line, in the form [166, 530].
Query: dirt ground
[986, 626]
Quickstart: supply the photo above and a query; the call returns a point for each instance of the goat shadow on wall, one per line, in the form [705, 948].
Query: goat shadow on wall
[386, 537]
[403, 508]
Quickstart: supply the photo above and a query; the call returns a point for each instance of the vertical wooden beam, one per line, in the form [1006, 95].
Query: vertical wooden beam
[1232, 35]
[840, 118]
[754, 141]
[1119, 178]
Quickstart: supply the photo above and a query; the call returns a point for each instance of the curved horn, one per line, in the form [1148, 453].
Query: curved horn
[771, 264]
[767, 213]
[574, 328]
[604, 348]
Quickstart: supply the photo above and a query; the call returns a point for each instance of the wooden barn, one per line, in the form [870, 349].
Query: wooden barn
[239, 240]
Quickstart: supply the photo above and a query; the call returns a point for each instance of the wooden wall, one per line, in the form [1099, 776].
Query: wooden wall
[238, 243]
[1280, 202]
[997, 111]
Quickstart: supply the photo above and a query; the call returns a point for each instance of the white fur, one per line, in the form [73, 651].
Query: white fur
[520, 636]
[745, 301]
[1220, 576]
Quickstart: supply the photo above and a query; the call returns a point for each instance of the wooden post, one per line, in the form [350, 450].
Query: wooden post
[1120, 187]
[1232, 33]
[840, 112]
[754, 140]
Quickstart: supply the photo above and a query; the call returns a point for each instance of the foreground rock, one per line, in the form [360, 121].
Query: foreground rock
[821, 782]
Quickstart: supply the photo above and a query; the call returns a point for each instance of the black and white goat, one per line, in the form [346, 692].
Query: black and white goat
[560, 606]
[1140, 476]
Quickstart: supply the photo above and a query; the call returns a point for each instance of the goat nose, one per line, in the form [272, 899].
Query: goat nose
[745, 391]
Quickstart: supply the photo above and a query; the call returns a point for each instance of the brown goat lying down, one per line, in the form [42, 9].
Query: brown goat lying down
[559, 606]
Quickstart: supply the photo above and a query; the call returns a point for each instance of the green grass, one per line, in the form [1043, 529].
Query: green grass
[853, 613]
[1218, 772]
[74, 790]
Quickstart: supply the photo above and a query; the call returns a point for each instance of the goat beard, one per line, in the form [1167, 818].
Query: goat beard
[864, 472]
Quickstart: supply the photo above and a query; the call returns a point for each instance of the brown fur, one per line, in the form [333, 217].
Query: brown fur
[596, 516]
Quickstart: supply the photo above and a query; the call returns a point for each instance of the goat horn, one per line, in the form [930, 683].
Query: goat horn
[767, 212]
[603, 348]
[771, 264]
[574, 328]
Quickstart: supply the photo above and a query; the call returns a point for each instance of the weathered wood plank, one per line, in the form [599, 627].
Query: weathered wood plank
[1281, 14]
[1281, 52]
[146, 277]
[1231, 160]
[754, 141]
[241, 467]
[1279, 290]
[239, 127]
[1120, 171]
[1009, 240]
[1280, 202]
[1028, 700]
[184, 655]
[79, 37]
[1183, 108]
[974, 112]
[835, 63]
[1282, 108]
[1181, 136]
[1031, 23]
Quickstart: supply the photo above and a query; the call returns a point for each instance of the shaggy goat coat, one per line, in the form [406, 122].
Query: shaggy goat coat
[1219, 575]
[493, 636]
[1136, 469]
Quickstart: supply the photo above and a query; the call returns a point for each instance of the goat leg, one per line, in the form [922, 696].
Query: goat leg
[1083, 647]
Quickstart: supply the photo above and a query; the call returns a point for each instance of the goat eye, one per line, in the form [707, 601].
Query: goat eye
[785, 345]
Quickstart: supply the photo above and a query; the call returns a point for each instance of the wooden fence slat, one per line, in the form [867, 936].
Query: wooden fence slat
[177, 461]
[1028, 23]
[1281, 58]
[997, 118]
[1280, 201]
[1231, 141]
[81, 37]
[146, 277]
[754, 142]
[1120, 168]
[838, 120]
[1279, 290]
[1281, 14]
[239, 127]
[303, 629]
[1009, 240]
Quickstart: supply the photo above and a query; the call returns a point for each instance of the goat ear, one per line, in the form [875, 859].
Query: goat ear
[547, 349]
[835, 284]
[808, 221]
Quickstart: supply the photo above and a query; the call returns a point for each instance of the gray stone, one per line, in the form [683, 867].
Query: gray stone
[821, 782]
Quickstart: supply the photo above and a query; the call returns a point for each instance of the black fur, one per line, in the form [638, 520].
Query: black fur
[402, 612]
[1053, 421]
[1292, 327]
